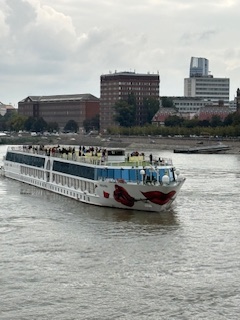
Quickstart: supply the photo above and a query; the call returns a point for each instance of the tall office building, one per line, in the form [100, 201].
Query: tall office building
[117, 86]
[202, 85]
[208, 88]
[199, 67]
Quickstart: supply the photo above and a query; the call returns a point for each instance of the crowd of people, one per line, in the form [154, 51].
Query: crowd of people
[70, 152]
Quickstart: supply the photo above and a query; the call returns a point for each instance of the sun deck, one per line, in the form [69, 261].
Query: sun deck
[131, 169]
[99, 158]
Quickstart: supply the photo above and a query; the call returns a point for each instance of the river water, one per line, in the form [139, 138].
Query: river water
[64, 260]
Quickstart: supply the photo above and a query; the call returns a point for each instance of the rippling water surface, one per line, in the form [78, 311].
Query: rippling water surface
[61, 259]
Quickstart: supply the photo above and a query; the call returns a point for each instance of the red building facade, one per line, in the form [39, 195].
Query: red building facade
[118, 86]
[60, 108]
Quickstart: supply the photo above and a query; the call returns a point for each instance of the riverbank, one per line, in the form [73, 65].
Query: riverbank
[182, 143]
[130, 142]
[148, 143]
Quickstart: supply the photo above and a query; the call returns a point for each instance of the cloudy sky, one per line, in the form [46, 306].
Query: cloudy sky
[52, 47]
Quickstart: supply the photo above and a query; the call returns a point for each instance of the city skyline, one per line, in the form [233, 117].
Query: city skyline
[50, 47]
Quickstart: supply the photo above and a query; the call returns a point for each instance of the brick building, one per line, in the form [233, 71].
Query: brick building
[208, 112]
[204, 113]
[60, 108]
[117, 86]
[162, 114]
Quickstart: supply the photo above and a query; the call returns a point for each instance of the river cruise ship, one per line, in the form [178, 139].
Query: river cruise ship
[97, 176]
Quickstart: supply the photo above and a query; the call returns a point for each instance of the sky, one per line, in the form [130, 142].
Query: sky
[51, 47]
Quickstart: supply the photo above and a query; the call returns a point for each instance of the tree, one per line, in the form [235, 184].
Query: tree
[167, 102]
[173, 121]
[131, 99]
[52, 127]
[151, 105]
[125, 113]
[91, 124]
[236, 119]
[17, 122]
[228, 121]
[29, 123]
[71, 126]
[204, 123]
[12, 121]
[216, 121]
[2, 124]
[39, 125]
[187, 123]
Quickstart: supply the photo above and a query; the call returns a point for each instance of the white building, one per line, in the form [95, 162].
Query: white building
[233, 105]
[188, 104]
[208, 88]
[5, 108]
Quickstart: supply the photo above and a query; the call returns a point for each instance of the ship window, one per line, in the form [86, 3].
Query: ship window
[116, 152]
[74, 169]
[26, 159]
[125, 174]
[132, 175]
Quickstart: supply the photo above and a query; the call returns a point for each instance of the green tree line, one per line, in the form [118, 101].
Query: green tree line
[174, 125]
[125, 116]
[14, 122]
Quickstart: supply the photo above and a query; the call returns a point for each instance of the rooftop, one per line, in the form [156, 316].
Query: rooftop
[65, 97]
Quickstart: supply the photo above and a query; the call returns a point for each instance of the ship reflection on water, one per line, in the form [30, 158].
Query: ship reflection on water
[156, 220]
[139, 222]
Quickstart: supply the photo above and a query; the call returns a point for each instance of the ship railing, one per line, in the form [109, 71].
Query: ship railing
[162, 162]
[93, 159]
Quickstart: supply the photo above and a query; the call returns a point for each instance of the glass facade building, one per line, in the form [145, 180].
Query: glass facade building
[199, 67]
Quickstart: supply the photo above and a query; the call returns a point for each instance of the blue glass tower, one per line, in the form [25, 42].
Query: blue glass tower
[199, 67]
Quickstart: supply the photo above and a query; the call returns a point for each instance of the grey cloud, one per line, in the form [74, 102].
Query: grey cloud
[195, 37]
[67, 44]
[206, 35]
[20, 14]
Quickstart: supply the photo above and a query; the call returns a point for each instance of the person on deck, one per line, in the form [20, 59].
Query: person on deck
[150, 158]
